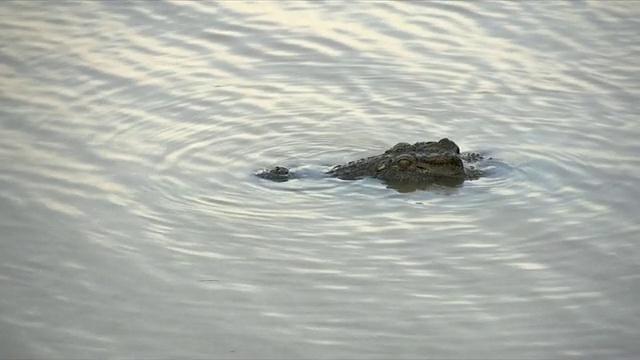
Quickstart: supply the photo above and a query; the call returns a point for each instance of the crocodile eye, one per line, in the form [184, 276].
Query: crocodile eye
[404, 163]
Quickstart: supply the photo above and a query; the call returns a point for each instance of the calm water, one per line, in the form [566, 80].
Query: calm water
[132, 227]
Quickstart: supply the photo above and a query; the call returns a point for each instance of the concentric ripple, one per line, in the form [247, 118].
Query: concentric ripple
[132, 132]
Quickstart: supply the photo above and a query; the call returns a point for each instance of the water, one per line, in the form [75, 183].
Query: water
[131, 224]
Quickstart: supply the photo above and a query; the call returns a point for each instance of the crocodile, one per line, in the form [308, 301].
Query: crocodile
[419, 164]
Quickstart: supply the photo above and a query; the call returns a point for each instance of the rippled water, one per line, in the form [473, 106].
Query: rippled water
[132, 225]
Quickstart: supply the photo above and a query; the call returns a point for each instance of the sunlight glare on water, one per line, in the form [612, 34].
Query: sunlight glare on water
[133, 224]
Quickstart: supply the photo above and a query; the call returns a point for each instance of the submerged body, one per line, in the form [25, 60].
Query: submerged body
[419, 164]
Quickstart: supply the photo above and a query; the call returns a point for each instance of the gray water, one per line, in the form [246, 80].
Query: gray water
[132, 226]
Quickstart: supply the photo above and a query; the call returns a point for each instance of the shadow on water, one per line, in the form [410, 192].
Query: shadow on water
[439, 185]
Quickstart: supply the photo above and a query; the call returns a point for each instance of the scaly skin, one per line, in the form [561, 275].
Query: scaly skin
[420, 163]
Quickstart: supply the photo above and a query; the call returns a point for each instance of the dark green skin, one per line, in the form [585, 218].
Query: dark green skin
[421, 163]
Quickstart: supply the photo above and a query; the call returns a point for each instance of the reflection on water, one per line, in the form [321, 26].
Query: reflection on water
[131, 133]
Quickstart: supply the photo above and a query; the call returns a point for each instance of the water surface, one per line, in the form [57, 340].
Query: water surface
[131, 224]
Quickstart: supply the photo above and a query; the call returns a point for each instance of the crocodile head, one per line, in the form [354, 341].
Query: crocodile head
[420, 163]
[404, 166]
